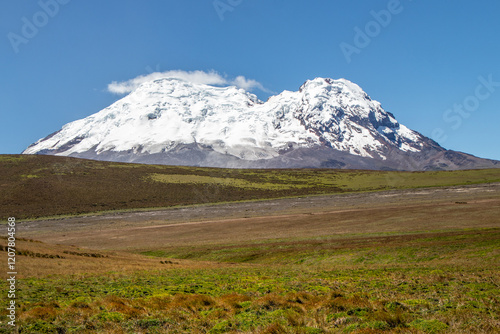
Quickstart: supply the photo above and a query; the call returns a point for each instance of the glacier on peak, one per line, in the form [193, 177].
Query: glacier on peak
[160, 115]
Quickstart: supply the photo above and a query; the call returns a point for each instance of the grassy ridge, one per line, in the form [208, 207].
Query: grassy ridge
[40, 186]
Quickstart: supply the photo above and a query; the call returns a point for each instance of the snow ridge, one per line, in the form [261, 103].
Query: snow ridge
[163, 114]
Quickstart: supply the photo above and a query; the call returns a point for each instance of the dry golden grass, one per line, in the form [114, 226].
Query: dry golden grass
[73, 260]
[397, 219]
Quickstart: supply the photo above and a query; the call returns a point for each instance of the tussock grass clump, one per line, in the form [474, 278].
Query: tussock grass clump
[286, 311]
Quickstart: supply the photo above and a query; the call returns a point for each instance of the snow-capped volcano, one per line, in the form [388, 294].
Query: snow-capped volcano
[326, 123]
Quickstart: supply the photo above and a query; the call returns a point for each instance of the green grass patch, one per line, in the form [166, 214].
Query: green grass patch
[429, 326]
[358, 249]
[219, 181]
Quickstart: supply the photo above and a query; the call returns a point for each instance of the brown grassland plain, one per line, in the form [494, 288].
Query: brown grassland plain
[422, 260]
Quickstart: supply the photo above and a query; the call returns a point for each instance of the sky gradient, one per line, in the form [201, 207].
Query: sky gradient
[433, 64]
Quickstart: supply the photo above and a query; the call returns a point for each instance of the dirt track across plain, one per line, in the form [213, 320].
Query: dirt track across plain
[406, 211]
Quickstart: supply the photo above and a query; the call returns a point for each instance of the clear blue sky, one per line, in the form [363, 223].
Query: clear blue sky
[419, 63]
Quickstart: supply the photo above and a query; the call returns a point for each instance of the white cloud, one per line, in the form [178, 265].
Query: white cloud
[248, 84]
[201, 77]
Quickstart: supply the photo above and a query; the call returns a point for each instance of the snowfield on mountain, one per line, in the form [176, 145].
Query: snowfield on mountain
[326, 123]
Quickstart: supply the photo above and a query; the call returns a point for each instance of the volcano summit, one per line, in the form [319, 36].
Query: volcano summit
[326, 123]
